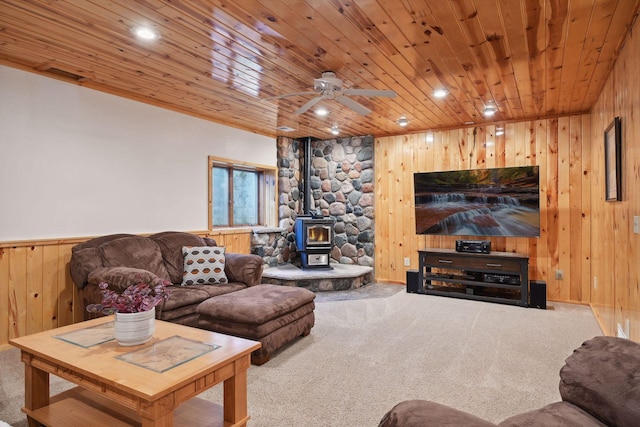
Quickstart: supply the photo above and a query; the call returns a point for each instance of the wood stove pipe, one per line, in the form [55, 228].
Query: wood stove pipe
[308, 198]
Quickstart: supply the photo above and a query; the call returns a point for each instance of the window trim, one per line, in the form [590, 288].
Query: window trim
[267, 183]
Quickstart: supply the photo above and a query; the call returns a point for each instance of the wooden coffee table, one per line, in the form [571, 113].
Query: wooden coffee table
[150, 388]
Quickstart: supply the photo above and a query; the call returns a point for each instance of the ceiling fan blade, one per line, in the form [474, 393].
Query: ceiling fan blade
[370, 92]
[353, 105]
[271, 98]
[309, 104]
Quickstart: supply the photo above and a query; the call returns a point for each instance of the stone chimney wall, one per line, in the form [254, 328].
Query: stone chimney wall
[290, 195]
[342, 186]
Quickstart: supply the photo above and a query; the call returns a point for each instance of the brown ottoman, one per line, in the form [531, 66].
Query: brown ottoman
[272, 314]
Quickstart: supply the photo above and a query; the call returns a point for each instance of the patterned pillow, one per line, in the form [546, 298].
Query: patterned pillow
[203, 265]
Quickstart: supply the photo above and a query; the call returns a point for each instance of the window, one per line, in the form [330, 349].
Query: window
[241, 194]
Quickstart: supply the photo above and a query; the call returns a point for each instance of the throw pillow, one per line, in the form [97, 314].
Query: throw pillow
[203, 265]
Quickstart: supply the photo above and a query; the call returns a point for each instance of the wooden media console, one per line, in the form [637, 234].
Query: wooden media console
[500, 277]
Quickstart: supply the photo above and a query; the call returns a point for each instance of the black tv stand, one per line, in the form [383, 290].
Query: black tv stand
[500, 277]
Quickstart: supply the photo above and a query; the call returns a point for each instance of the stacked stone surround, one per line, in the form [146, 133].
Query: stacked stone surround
[290, 193]
[271, 244]
[342, 186]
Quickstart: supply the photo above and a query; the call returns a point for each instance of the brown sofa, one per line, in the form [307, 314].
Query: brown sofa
[125, 259]
[599, 386]
[240, 306]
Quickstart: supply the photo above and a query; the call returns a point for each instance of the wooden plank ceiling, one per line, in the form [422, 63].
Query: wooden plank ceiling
[219, 59]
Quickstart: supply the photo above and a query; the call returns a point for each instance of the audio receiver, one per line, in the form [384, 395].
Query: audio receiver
[474, 246]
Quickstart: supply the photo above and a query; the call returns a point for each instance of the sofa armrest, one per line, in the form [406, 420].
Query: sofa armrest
[120, 278]
[243, 268]
[83, 262]
[602, 377]
[424, 413]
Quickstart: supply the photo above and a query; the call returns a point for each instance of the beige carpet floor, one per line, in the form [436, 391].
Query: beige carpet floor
[379, 345]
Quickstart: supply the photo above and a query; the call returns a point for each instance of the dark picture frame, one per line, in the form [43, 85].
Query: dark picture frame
[613, 161]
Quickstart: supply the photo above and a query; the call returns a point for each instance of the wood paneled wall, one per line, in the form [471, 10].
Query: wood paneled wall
[36, 290]
[560, 146]
[616, 248]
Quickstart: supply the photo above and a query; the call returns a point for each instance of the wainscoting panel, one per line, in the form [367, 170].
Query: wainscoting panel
[36, 290]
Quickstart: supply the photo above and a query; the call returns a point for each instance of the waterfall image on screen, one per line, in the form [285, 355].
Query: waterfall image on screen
[480, 202]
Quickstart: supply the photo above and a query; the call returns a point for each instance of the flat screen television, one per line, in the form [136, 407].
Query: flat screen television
[479, 202]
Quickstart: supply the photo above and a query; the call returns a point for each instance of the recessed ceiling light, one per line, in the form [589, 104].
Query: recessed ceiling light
[403, 121]
[321, 111]
[335, 130]
[146, 33]
[440, 93]
[489, 111]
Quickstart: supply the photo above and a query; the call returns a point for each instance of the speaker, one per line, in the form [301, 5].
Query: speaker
[412, 281]
[537, 294]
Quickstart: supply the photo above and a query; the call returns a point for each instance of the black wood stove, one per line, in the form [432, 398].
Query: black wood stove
[314, 240]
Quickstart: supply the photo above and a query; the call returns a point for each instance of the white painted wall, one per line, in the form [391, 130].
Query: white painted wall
[75, 162]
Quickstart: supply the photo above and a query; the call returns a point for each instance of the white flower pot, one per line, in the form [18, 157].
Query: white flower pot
[135, 328]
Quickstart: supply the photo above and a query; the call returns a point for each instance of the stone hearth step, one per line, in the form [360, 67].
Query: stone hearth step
[340, 277]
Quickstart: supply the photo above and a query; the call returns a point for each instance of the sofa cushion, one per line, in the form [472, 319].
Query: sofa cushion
[184, 300]
[216, 290]
[203, 265]
[171, 243]
[603, 378]
[257, 304]
[120, 278]
[183, 296]
[424, 413]
[254, 332]
[556, 414]
[136, 252]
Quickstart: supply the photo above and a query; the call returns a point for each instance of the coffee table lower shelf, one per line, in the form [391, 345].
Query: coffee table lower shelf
[79, 407]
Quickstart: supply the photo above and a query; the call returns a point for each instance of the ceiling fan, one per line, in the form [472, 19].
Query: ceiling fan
[330, 87]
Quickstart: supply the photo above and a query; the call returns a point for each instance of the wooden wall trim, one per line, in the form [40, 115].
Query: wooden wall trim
[76, 240]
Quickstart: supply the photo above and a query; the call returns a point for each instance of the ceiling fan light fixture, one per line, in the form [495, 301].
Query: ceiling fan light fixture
[331, 88]
[322, 111]
[403, 121]
[440, 93]
[489, 111]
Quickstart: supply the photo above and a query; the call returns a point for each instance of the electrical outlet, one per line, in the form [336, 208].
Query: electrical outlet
[559, 274]
[407, 262]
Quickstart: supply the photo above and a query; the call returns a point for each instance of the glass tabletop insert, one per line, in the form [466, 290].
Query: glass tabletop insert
[91, 336]
[168, 353]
